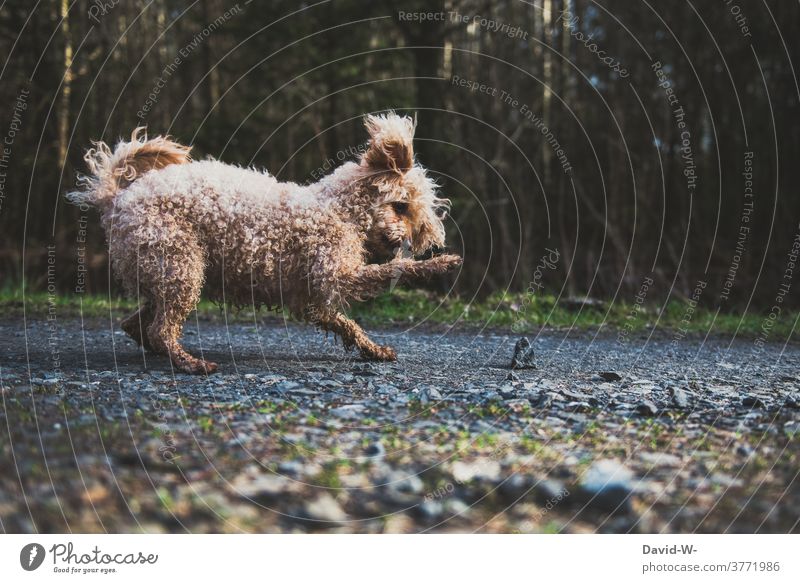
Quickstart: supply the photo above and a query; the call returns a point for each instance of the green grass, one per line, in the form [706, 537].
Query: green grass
[516, 312]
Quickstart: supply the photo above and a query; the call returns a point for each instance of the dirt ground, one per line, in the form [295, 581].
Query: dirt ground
[609, 433]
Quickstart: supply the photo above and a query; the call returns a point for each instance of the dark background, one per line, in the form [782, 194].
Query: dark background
[283, 85]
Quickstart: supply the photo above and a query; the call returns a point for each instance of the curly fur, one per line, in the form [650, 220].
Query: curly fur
[175, 226]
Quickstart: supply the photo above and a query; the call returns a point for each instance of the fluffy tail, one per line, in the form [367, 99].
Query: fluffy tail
[110, 172]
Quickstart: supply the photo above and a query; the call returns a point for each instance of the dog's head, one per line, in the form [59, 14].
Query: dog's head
[406, 214]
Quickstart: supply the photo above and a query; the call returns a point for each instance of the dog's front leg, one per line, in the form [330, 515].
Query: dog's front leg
[372, 280]
[353, 335]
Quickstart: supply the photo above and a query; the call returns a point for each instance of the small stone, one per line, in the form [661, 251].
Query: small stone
[482, 469]
[348, 411]
[430, 510]
[595, 402]
[365, 370]
[608, 485]
[402, 482]
[576, 418]
[512, 376]
[429, 395]
[285, 386]
[325, 509]
[387, 390]
[523, 355]
[543, 400]
[744, 450]
[491, 396]
[647, 408]
[609, 376]
[375, 449]
[260, 487]
[507, 392]
[753, 401]
[792, 402]
[680, 398]
[398, 524]
[578, 407]
[552, 491]
[725, 480]
[455, 507]
[572, 395]
[290, 468]
[660, 458]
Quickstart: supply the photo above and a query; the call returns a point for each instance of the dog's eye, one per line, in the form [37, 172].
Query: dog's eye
[401, 208]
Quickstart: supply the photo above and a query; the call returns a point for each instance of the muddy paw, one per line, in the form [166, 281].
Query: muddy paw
[199, 367]
[380, 353]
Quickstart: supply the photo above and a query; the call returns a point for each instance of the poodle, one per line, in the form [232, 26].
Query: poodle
[175, 226]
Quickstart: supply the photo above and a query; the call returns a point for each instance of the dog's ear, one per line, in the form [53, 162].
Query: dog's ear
[390, 143]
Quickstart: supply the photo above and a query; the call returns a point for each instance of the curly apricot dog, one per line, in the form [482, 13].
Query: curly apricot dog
[174, 224]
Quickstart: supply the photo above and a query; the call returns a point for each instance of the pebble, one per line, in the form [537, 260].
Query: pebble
[680, 398]
[647, 408]
[491, 396]
[608, 486]
[792, 402]
[572, 395]
[660, 459]
[523, 355]
[544, 400]
[375, 449]
[507, 391]
[753, 401]
[550, 491]
[291, 468]
[324, 508]
[430, 509]
[482, 469]
[578, 406]
[455, 507]
[284, 386]
[260, 487]
[429, 395]
[609, 376]
[402, 482]
[348, 411]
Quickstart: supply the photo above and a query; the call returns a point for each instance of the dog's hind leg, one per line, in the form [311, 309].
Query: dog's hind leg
[165, 332]
[175, 291]
[136, 325]
[353, 335]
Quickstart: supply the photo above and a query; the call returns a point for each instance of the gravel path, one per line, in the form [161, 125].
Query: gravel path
[609, 433]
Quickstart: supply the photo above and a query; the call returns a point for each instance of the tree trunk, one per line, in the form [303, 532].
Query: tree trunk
[66, 87]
